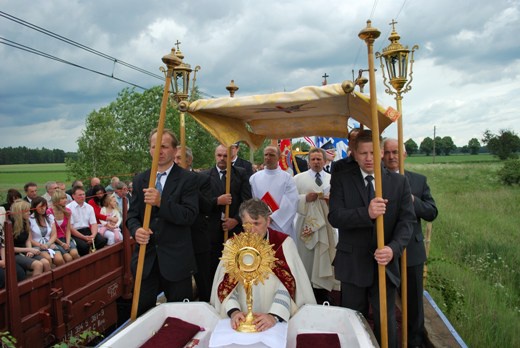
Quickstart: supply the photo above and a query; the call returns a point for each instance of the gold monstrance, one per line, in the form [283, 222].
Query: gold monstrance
[249, 259]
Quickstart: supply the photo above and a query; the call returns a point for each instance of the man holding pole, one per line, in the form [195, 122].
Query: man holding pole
[425, 208]
[239, 191]
[353, 210]
[169, 261]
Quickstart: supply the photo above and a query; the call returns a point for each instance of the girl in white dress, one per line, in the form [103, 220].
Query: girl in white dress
[43, 232]
[108, 229]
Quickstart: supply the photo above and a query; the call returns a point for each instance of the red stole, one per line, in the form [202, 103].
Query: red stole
[281, 269]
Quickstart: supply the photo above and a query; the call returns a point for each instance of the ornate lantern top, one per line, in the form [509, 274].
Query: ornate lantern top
[396, 58]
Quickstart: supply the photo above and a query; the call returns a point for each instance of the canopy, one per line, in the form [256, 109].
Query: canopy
[321, 111]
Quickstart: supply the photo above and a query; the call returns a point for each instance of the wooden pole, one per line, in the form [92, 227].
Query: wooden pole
[228, 189]
[232, 88]
[404, 269]
[182, 128]
[369, 35]
[11, 285]
[171, 60]
[427, 240]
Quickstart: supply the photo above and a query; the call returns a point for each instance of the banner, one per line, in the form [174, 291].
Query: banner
[339, 144]
[285, 161]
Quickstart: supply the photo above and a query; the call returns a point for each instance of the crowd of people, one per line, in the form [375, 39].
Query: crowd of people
[59, 226]
[321, 224]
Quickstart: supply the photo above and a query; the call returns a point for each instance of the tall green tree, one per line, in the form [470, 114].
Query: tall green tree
[439, 146]
[411, 147]
[504, 145]
[474, 146]
[448, 145]
[115, 139]
[426, 146]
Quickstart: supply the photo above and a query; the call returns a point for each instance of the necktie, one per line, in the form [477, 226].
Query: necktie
[223, 175]
[318, 179]
[158, 184]
[370, 187]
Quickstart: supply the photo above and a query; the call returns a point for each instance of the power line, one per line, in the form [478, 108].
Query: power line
[11, 43]
[77, 44]
[388, 31]
[360, 45]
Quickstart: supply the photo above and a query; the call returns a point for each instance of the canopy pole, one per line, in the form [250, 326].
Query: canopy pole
[228, 189]
[232, 88]
[404, 270]
[369, 35]
[182, 131]
[171, 60]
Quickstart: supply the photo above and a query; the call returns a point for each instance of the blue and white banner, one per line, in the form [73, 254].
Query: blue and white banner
[340, 144]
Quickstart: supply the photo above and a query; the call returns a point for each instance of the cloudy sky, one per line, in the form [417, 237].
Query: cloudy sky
[466, 72]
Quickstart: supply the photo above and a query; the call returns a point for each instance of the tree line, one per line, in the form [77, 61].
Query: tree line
[24, 155]
[505, 144]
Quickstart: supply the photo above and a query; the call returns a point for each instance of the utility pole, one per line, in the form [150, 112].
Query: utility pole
[434, 129]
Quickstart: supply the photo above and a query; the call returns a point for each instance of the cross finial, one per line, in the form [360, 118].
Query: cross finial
[177, 44]
[393, 23]
[325, 79]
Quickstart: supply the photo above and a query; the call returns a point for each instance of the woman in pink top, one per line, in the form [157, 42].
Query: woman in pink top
[62, 221]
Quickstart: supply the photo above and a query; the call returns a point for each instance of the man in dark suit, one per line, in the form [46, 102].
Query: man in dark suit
[425, 208]
[31, 191]
[240, 162]
[354, 214]
[344, 163]
[169, 261]
[240, 191]
[199, 230]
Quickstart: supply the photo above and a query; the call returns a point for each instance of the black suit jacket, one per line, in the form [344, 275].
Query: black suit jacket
[354, 262]
[199, 229]
[170, 242]
[342, 164]
[425, 209]
[240, 191]
[246, 165]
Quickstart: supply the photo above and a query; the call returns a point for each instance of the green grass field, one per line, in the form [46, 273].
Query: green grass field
[459, 158]
[474, 265]
[16, 175]
[474, 256]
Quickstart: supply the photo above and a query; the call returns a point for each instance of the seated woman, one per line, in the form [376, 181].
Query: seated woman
[20, 273]
[43, 232]
[26, 256]
[96, 202]
[61, 215]
[12, 195]
[109, 229]
[280, 296]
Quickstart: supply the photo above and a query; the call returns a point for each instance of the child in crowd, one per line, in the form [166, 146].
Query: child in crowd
[43, 232]
[61, 215]
[108, 228]
[26, 256]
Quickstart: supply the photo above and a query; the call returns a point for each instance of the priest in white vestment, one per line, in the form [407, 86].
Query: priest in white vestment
[278, 190]
[316, 237]
[281, 295]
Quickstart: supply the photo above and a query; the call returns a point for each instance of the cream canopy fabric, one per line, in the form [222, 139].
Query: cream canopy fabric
[308, 111]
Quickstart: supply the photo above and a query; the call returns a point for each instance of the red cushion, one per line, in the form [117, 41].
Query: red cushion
[317, 340]
[174, 332]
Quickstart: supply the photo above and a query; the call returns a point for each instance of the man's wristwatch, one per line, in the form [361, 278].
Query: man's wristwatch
[276, 318]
